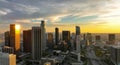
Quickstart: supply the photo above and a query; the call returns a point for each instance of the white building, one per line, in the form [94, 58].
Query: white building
[7, 59]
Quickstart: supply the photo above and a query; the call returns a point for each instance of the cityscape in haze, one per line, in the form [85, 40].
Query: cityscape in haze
[59, 32]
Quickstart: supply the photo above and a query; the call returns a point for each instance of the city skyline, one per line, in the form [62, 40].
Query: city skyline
[94, 16]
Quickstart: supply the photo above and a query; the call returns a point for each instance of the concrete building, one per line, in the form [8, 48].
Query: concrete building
[56, 36]
[115, 54]
[27, 41]
[43, 36]
[15, 37]
[78, 48]
[50, 41]
[66, 36]
[7, 59]
[50, 38]
[7, 38]
[111, 39]
[97, 38]
[7, 49]
[36, 43]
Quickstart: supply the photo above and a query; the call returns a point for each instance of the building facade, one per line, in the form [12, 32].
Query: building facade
[7, 59]
[15, 37]
[27, 41]
[36, 43]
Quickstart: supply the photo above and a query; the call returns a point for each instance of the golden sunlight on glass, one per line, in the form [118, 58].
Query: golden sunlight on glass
[17, 27]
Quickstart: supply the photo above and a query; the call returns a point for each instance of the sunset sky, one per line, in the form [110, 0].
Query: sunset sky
[95, 16]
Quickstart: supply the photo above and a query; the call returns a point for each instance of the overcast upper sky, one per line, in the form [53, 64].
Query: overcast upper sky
[92, 15]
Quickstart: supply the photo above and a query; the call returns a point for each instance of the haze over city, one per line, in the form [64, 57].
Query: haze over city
[94, 16]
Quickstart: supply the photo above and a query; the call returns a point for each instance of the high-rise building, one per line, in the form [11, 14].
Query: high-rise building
[97, 38]
[56, 36]
[27, 41]
[43, 35]
[7, 59]
[66, 36]
[111, 37]
[15, 37]
[50, 38]
[89, 38]
[36, 43]
[7, 38]
[50, 41]
[115, 54]
[78, 49]
[77, 30]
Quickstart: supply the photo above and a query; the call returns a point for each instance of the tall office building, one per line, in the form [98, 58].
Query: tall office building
[115, 54]
[15, 37]
[7, 38]
[27, 40]
[56, 36]
[50, 38]
[97, 38]
[7, 59]
[50, 41]
[89, 38]
[36, 43]
[78, 49]
[111, 38]
[43, 35]
[66, 36]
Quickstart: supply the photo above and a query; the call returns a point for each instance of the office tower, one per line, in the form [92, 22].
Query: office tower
[15, 37]
[7, 38]
[115, 54]
[7, 59]
[50, 42]
[89, 38]
[66, 36]
[50, 38]
[27, 41]
[73, 45]
[56, 36]
[78, 49]
[36, 43]
[97, 38]
[7, 49]
[43, 35]
[111, 38]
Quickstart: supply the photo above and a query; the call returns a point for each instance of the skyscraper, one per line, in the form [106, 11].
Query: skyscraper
[78, 49]
[56, 36]
[50, 38]
[36, 43]
[15, 37]
[111, 37]
[7, 38]
[66, 36]
[97, 38]
[27, 40]
[50, 43]
[43, 35]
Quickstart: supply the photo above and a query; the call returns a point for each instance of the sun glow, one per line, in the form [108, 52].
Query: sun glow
[17, 27]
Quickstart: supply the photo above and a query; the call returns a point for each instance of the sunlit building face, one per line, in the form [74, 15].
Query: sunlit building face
[17, 27]
[15, 37]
